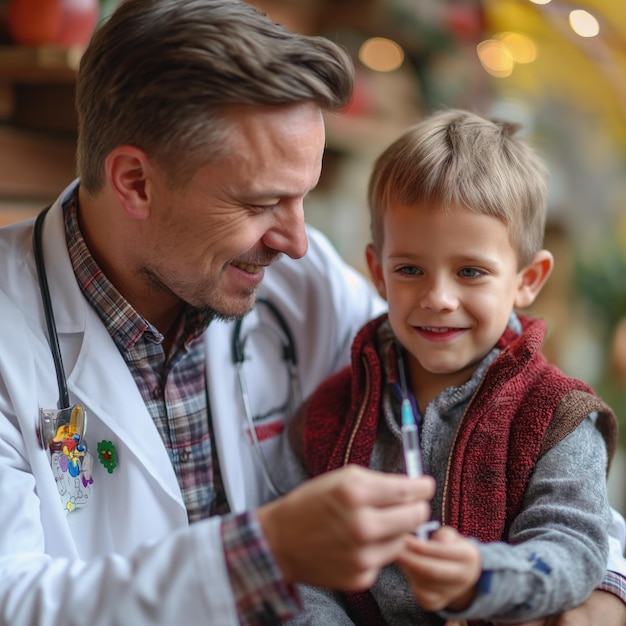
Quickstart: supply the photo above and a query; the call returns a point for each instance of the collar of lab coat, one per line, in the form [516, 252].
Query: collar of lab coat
[96, 372]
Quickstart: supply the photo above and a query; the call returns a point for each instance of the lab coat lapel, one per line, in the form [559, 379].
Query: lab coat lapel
[97, 375]
[102, 378]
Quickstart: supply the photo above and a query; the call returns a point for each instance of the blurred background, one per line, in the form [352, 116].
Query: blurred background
[557, 67]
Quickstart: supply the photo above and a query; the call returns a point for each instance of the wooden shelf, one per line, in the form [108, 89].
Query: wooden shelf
[37, 126]
[42, 64]
[37, 87]
[34, 166]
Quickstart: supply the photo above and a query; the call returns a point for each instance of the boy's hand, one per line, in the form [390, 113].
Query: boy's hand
[442, 571]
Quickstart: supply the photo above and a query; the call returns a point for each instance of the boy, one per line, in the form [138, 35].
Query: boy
[519, 451]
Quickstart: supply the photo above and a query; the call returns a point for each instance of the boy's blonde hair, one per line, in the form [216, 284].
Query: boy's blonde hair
[457, 158]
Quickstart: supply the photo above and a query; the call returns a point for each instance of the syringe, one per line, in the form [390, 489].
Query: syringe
[411, 447]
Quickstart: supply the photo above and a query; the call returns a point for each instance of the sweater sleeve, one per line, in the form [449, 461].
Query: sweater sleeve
[320, 606]
[558, 544]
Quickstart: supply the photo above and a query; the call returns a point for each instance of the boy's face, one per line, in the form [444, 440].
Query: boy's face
[451, 280]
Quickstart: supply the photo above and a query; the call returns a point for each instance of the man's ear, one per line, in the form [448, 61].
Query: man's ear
[532, 278]
[376, 270]
[127, 170]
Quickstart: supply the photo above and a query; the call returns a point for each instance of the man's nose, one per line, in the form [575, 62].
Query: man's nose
[288, 234]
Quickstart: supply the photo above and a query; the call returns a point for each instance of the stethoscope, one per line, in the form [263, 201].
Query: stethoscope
[53, 338]
[67, 418]
[49, 419]
[294, 398]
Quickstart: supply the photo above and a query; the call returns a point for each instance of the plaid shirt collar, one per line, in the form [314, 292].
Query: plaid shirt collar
[125, 325]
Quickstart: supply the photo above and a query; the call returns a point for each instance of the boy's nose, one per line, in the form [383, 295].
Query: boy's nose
[439, 296]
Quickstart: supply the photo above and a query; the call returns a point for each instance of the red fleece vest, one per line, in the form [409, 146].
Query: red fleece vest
[523, 407]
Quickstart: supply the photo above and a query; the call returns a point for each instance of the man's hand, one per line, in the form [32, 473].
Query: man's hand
[600, 609]
[442, 571]
[339, 529]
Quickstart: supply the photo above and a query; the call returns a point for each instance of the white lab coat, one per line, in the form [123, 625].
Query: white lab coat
[129, 556]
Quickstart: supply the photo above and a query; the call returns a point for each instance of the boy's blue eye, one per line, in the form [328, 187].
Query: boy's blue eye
[409, 270]
[470, 272]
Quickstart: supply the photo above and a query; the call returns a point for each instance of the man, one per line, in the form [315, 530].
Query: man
[200, 135]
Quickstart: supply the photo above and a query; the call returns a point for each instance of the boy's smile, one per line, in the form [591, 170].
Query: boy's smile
[451, 279]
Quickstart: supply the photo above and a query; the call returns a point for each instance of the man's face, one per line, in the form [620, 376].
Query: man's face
[451, 280]
[211, 242]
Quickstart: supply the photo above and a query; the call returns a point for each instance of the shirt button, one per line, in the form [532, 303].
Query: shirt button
[184, 456]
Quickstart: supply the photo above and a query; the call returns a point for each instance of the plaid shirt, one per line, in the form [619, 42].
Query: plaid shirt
[615, 584]
[173, 387]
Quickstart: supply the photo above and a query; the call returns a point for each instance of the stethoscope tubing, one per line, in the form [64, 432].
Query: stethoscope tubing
[53, 337]
[271, 483]
[290, 357]
[289, 347]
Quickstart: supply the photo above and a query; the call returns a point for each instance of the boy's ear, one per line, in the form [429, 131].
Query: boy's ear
[376, 270]
[127, 170]
[532, 278]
